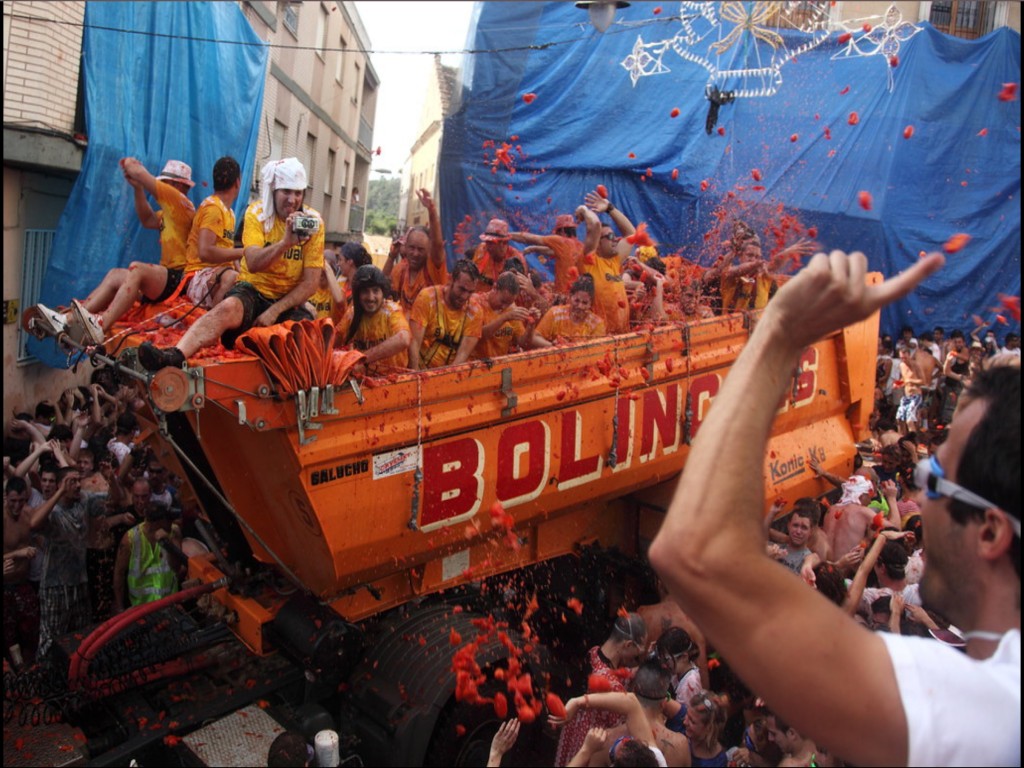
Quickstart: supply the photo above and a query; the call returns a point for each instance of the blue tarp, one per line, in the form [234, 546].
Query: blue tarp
[156, 88]
[587, 117]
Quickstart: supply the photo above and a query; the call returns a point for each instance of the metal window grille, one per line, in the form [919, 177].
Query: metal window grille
[963, 18]
[37, 246]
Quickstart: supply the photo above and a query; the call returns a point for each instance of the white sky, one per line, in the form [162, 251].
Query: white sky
[407, 26]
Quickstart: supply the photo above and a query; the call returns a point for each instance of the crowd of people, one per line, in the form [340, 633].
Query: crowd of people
[86, 505]
[86, 508]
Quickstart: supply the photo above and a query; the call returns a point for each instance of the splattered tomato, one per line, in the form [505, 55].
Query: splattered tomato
[602, 190]
[908, 132]
[529, 97]
[865, 200]
[956, 242]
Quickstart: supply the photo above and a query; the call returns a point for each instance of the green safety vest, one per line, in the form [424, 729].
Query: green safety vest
[150, 576]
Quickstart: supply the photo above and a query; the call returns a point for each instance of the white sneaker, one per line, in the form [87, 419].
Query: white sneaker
[87, 325]
[41, 321]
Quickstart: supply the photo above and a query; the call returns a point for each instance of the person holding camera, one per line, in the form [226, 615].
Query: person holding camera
[283, 242]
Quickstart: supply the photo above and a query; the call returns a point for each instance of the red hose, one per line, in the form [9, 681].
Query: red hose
[99, 637]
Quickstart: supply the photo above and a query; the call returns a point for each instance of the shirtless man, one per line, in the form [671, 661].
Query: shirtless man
[21, 605]
[847, 523]
[913, 380]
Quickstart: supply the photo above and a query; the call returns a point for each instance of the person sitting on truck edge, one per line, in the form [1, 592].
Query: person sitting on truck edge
[150, 283]
[604, 262]
[568, 321]
[279, 271]
[492, 253]
[374, 324]
[211, 253]
[624, 648]
[445, 325]
[503, 322]
[881, 684]
[564, 244]
[422, 258]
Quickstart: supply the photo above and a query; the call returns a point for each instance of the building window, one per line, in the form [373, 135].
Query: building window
[278, 137]
[329, 184]
[339, 67]
[310, 159]
[344, 181]
[290, 16]
[38, 244]
[797, 14]
[322, 22]
[962, 18]
[355, 90]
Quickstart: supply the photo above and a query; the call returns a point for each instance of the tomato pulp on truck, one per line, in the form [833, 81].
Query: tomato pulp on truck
[339, 506]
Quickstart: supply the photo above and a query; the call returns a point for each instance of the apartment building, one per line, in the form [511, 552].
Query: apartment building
[319, 104]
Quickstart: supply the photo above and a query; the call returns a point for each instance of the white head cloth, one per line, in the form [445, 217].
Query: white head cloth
[855, 487]
[278, 174]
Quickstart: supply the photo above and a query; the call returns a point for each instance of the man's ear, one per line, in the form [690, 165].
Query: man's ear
[995, 534]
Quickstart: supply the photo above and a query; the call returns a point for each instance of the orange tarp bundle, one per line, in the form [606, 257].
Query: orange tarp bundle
[300, 354]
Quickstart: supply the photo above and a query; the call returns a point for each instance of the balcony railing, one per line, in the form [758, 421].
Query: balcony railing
[356, 215]
[365, 133]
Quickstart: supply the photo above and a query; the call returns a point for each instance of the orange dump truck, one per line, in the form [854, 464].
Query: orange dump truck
[362, 529]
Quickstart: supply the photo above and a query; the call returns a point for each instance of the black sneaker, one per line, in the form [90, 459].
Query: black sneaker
[153, 358]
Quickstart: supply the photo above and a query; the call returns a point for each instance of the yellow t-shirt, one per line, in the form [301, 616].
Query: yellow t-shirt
[610, 301]
[739, 293]
[175, 215]
[219, 219]
[498, 344]
[406, 291]
[286, 270]
[558, 324]
[374, 329]
[443, 328]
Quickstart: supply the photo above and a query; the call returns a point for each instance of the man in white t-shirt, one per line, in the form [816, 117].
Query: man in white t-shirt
[922, 702]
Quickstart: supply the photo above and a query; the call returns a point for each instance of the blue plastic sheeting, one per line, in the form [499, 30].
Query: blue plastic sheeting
[155, 89]
[588, 117]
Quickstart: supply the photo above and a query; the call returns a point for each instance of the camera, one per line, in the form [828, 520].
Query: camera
[304, 226]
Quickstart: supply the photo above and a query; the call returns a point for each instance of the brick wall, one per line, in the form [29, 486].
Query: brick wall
[41, 62]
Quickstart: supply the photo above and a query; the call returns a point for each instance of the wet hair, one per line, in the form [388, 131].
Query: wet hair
[63, 472]
[956, 334]
[583, 283]
[675, 642]
[915, 524]
[507, 282]
[656, 264]
[893, 558]
[634, 754]
[629, 627]
[367, 276]
[513, 265]
[651, 681]
[287, 750]
[536, 278]
[61, 432]
[808, 508]
[830, 582]
[225, 173]
[465, 267]
[713, 717]
[926, 336]
[16, 485]
[155, 511]
[126, 424]
[417, 228]
[355, 253]
[46, 410]
[990, 462]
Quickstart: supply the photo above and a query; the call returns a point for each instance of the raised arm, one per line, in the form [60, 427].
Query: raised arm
[715, 520]
[437, 256]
